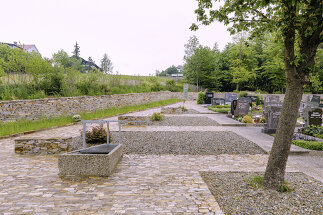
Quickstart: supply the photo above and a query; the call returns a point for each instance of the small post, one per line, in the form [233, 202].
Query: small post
[119, 137]
[84, 139]
[108, 133]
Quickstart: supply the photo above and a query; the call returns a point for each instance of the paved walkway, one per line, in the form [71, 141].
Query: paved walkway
[150, 184]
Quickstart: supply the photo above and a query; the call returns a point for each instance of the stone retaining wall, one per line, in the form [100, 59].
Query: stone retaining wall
[47, 146]
[53, 107]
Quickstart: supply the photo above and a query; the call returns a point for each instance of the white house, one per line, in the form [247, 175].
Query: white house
[30, 48]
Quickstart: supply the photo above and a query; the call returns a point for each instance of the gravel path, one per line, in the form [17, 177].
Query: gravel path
[235, 196]
[185, 121]
[186, 143]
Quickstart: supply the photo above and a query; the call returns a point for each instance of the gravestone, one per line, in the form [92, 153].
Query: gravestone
[272, 113]
[242, 108]
[253, 98]
[218, 101]
[208, 98]
[229, 97]
[271, 98]
[246, 99]
[313, 116]
[233, 106]
[185, 91]
[314, 101]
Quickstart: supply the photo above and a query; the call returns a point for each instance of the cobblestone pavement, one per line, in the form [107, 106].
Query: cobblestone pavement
[142, 184]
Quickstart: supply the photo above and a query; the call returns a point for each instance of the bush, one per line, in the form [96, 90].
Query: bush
[312, 145]
[277, 92]
[262, 120]
[98, 135]
[184, 109]
[243, 94]
[156, 117]
[200, 98]
[312, 130]
[236, 91]
[247, 119]
[171, 85]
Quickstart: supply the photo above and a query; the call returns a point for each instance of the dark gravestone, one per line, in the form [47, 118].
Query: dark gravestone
[218, 101]
[272, 113]
[233, 106]
[229, 97]
[208, 98]
[242, 108]
[313, 116]
[253, 98]
[314, 101]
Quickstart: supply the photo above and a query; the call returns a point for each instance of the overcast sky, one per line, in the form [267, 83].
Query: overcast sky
[139, 36]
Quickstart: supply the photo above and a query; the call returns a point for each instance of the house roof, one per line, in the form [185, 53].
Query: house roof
[27, 47]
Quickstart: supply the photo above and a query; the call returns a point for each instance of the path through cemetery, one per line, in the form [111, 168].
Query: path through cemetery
[160, 172]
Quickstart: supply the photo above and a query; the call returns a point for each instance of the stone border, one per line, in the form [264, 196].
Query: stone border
[38, 146]
[77, 164]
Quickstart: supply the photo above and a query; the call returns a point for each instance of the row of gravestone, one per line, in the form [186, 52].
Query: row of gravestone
[312, 112]
[229, 97]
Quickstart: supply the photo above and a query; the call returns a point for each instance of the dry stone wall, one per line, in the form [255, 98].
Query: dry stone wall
[53, 107]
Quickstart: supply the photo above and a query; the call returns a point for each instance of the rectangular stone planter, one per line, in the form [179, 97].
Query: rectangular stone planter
[94, 161]
[144, 120]
[171, 110]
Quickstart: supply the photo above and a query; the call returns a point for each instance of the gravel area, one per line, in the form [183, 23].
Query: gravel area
[185, 121]
[186, 143]
[236, 196]
[191, 111]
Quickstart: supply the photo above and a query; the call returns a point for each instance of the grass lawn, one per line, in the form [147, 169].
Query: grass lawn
[27, 125]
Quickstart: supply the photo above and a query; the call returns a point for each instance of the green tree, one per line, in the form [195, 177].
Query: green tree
[61, 59]
[202, 68]
[190, 47]
[76, 52]
[243, 61]
[300, 23]
[106, 64]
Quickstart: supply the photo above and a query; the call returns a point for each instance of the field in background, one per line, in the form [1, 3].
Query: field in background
[73, 83]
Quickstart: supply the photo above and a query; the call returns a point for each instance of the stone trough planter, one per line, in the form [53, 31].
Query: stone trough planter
[144, 120]
[93, 161]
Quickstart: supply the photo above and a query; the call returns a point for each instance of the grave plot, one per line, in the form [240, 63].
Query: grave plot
[235, 195]
[185, 121]
[186, 143]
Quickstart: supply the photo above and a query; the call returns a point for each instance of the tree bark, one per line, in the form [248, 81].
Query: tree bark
[275, 170]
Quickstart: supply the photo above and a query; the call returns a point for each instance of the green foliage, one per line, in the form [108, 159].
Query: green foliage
[98, 135]
[170, 70]
[27, 125]
[236, 91]
[156, 117]
[106, 64]
[312, 145]
[222, 106]
[243, 94]
[262, 120]
[171, 85]
[200, 97]
[312, 130]
[76, 52]
[219, 108]
[184, 109]
[258, 181]
[247, 119]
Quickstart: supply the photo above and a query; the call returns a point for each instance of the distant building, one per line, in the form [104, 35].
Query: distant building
[180, 68]
[30, 48]
[12, 45]
[26, 48]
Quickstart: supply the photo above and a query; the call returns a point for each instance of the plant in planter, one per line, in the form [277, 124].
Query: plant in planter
[156, 117]
[247, 119]
[98, 135]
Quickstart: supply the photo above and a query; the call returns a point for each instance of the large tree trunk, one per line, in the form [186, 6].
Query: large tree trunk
[275, 171]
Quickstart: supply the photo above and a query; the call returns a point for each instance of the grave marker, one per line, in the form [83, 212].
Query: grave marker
[313, 116]
[218, 101]
[272, 113]
[242, 108]
[208, 98]
[229, 97]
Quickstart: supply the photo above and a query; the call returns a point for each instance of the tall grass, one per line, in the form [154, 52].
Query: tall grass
[27, 125]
